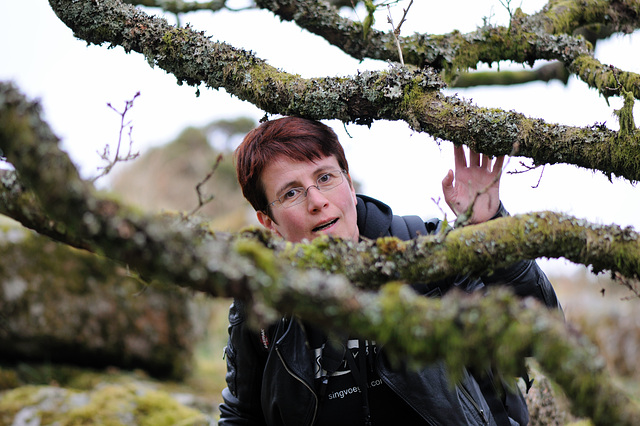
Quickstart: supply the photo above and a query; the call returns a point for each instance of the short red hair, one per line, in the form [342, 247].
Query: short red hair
[296, 138]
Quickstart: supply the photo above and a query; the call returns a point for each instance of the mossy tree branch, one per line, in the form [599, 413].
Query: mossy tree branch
[547, 35]
[256, 267]
[180, 6]
[453, 51]
[567, 17]
[396, 94]
[183, 6]
[547, 72]
[476, 250]
[448, 329]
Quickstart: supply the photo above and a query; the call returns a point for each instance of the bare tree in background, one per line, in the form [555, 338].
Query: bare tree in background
[46, 193]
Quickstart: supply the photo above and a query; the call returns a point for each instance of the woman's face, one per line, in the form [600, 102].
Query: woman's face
[332, 212]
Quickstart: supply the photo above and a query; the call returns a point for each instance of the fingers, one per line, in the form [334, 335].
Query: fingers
[447, 186]
[477, 160]
[460, 159]
[497, 167]
[486, 162]
[474, 158]
[447, 182]
[448, 190]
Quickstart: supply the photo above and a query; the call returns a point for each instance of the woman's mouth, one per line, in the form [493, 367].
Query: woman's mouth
[324, 225]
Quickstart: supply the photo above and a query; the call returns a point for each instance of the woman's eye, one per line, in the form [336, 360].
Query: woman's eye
[325, 178]
[292, 193]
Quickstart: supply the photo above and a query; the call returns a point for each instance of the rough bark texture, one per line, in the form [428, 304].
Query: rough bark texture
[60, 305]
[476, 250]
[548, 34]
[544, 35]
[396, 94]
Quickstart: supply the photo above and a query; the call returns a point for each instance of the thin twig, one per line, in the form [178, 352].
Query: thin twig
[444, 228]
[615, 76]
[201, 198]
[396, 30]
[507, 5]
[106, 156]
[437, 203]
[633, 285]
[528, 169]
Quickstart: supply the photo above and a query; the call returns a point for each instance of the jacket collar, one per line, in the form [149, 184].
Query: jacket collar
[374, 217]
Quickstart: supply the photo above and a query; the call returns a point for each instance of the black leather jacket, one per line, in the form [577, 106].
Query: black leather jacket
[270, 377]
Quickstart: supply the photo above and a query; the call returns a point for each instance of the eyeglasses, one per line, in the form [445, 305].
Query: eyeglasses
[294, 196]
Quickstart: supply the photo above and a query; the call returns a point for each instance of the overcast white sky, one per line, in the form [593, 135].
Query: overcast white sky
[402, 168]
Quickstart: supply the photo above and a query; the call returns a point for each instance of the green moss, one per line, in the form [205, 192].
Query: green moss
[625, 115]
[567, 15]
[155, 408]
[263, 83]
[263, 257]
[107, 405]
[489, 44]
[173, 39]
[594, 73]
[104, 407]
[391, 246]
[322, 253]
[12, 401]
[8, 378]
[118, 405]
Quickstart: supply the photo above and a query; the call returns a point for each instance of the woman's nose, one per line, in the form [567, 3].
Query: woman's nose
[315, 199]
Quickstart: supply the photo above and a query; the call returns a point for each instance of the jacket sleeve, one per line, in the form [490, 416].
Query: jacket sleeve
[525, 278]
[245, 365]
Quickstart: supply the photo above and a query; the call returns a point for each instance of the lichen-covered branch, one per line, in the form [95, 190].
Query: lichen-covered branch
[180, 6]
[454, 51]
[548, 35]
[566, 17]
[184, 6]
[396, 94]
[450, 328]
[172, 250]
[551, 71]
[475, 250]
[23, 206]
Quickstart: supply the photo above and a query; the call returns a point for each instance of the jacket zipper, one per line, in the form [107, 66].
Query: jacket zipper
[315, 409]
[474, 403]
[386, 381]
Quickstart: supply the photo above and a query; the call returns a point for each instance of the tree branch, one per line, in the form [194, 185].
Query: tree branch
[102, 225]
[177, 6]
[548, 34]
[397, 94]
[545, 35]
[450, 328]
[476, 250]
[551, 71]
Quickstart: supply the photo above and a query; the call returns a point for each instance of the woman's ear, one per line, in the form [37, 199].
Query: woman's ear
[267, 222]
